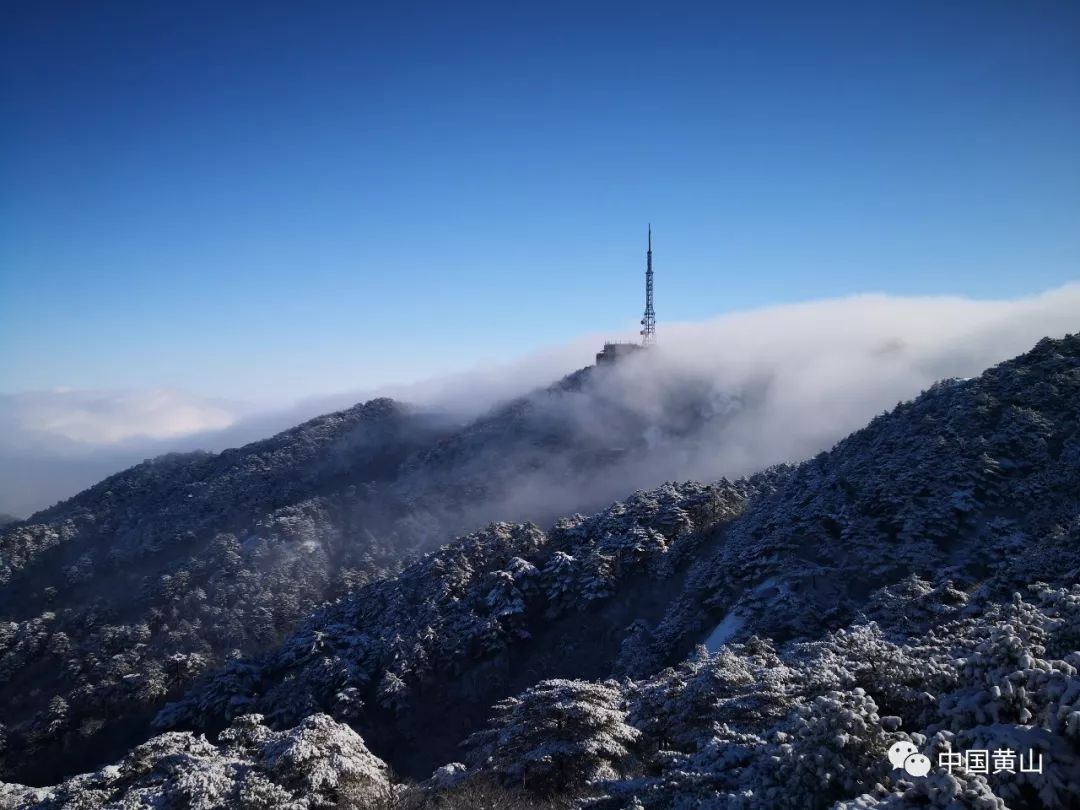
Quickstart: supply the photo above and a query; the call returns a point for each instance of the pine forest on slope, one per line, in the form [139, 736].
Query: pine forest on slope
[918, 581]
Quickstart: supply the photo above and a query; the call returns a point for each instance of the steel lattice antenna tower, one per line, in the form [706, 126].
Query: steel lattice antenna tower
[648, 323]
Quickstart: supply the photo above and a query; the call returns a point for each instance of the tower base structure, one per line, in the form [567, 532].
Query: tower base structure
[614, 352]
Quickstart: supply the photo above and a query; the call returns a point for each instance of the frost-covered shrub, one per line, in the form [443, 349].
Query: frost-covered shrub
[755, 726]
[829, 748]
[318, 764]
[556, 736]
[937, 791]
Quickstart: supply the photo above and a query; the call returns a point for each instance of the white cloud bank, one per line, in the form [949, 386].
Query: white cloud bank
[828, 367]
[112, 417]
[816, 371]
[56, 443]
[739, 393]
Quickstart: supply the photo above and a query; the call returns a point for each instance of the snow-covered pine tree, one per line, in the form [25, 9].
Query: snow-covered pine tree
[557, 736]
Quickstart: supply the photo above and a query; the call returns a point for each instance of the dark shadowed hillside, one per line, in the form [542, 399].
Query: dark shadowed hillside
[115, 599]
[915, 584]
[165, 501]
[417, 660]
[754, 644]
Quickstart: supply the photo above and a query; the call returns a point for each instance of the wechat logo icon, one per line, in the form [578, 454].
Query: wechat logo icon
[905, 755]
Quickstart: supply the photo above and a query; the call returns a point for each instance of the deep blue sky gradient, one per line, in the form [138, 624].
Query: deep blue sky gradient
[275, 199]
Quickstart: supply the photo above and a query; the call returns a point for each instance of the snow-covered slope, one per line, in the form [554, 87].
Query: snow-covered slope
[978, 480]
[916, 583]
[416, 661]
[114, 599]
[111, 602]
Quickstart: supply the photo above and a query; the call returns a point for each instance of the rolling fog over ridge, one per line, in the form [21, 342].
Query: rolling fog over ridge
[816, 371]
[207, 556]
[949, 477]
[500, 406]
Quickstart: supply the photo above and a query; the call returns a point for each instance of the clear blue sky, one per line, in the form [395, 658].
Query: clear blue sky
[279, 198]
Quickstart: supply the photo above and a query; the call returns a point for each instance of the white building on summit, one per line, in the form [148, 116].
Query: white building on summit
[614, 351]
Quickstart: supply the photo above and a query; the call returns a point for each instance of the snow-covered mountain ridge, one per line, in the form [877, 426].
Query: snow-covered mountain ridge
[113, 601]
[917, 582]
[976, 479]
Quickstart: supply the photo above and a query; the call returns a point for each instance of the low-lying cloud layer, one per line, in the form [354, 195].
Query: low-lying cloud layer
[784, 383]
[788, 381]
[826, 368]
[112, 417]
[56, 443]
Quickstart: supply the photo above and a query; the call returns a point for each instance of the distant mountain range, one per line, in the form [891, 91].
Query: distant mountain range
[758, 643]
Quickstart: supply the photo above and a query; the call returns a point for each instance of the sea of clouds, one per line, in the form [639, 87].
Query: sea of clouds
[788, 380]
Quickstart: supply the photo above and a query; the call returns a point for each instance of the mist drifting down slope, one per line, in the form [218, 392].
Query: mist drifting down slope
[916, 584]
[746, 391]
[816, 371]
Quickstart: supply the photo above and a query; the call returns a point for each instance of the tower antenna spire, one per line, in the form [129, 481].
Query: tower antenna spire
[648, 323]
